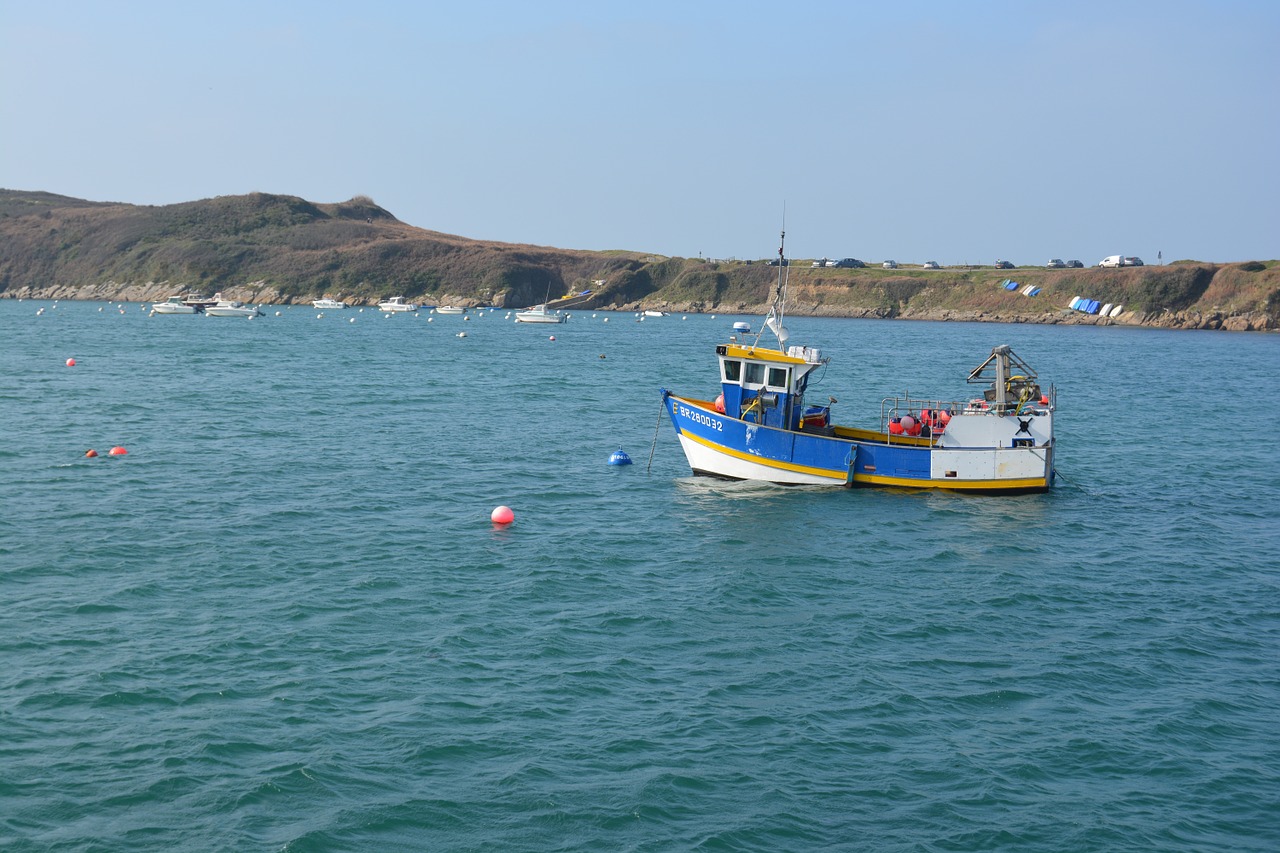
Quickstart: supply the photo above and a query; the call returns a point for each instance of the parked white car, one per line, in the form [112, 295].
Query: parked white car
[1055, 264]
[890, 265]
[931, 265]
[1111, 261]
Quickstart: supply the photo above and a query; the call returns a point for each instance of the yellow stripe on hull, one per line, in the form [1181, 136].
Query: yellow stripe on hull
[768, 463]
[1023, 484]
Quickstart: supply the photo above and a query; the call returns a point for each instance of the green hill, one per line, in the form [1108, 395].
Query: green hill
[274, 248]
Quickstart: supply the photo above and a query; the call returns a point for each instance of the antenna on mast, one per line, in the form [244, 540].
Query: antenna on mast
[773, 320]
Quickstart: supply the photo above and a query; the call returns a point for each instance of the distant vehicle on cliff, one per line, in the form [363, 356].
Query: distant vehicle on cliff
[1004, 265]
[850, 263]
[890, 265]
[1075, 265]
[1055, 264]
[1111, 261]
[930, 265]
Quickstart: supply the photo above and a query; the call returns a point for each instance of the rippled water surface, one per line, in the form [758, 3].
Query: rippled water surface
[284, 621]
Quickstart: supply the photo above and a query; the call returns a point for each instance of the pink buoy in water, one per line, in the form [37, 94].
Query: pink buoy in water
[90, 453]
[502, 515]
[553, 337]
[117, 451]
[71, 362]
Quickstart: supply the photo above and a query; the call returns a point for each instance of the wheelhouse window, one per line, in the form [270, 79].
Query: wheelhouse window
[755, 373]
[778, 378]
[732, 370]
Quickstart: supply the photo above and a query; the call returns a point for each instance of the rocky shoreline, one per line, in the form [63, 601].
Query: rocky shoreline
[1219, 321]
[260, 293]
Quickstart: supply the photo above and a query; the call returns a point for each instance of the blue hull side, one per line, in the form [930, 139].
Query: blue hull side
[785, 453]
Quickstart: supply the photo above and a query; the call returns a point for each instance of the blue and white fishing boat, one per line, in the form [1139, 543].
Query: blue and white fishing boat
[760, 428]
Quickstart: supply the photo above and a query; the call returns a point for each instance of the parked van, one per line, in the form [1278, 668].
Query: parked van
[1111, 261]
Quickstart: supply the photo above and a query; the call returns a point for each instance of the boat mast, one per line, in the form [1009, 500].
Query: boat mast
[773, 320]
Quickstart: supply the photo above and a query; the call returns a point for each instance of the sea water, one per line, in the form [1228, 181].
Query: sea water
[284, 621]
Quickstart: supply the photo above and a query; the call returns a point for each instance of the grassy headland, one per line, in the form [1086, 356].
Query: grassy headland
[281, 249]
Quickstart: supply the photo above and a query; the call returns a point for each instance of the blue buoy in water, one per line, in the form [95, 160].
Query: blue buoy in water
[617, 457]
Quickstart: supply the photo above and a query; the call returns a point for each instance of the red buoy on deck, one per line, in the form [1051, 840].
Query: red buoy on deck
[720, 404]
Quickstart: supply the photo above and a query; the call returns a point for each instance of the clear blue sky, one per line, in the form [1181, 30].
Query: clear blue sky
[949, 131]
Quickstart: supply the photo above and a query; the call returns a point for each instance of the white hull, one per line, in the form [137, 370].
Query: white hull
[170, 308]
[538, 315]
[708, 460]
[228, 311]
[397, 305]
[451, 310]
[329, 304]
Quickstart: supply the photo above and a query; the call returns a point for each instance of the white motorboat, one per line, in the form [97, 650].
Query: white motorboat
[539, 314]
[450, 309]
[232, 308]
[329, 304]
[174, 305]
[655, 313]
[396, 305]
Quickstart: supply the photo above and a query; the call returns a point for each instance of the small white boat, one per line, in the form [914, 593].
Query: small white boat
[232, 308]
[539, 314]
[329, 304]
[396, 305]
[174, 305]
[655, 313]
[450, 309]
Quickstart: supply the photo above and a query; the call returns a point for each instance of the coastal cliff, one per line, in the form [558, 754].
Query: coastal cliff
[283, 249]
